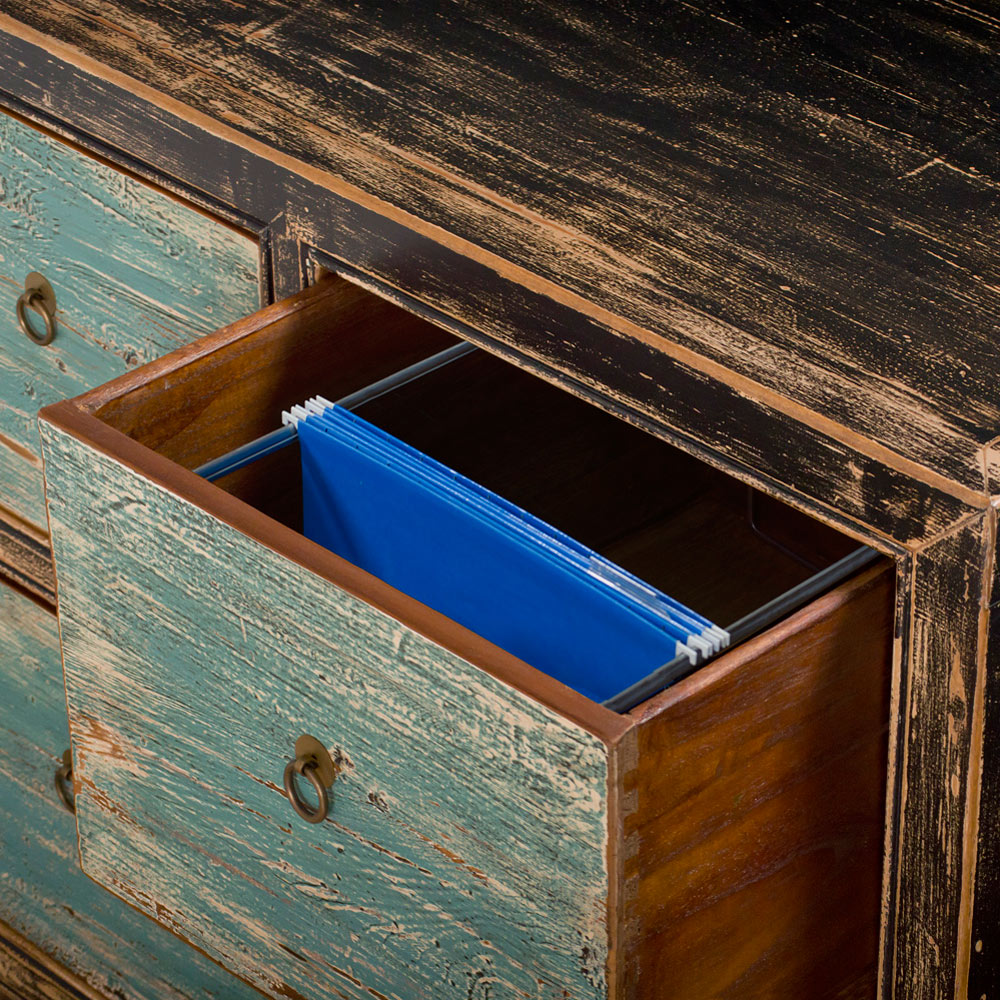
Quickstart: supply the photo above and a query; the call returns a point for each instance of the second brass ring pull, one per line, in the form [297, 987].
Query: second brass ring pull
[312, 762]
[40, 298]
[64, 781]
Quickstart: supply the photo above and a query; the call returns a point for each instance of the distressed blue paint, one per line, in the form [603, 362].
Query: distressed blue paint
[43, 893]
[466, 853]
[136, 274]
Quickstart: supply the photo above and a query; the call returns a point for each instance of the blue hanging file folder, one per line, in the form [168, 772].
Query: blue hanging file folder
[483, 562]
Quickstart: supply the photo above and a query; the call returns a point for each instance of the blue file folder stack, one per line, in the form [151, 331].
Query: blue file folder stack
[483, 562]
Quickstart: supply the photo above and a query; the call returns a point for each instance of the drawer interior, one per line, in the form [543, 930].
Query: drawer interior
[684, 527]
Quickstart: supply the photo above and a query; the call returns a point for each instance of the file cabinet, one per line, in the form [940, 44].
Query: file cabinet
[766, 243]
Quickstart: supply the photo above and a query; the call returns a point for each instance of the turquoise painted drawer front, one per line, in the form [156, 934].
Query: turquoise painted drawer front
[43, 893]
[465, 853]
[136, 274]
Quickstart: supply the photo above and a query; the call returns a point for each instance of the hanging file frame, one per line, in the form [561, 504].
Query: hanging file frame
[665, 674]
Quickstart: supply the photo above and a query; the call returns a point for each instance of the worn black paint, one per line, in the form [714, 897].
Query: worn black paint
[823, 180]
[820, 179]
[814, 466]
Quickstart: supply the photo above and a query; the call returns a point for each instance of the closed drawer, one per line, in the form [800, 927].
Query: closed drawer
[44, 896]
[493, 833]
[135, 272]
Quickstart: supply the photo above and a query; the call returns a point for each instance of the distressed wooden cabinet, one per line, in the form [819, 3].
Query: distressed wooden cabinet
[44, 897]
[764, 237]
[135, 274]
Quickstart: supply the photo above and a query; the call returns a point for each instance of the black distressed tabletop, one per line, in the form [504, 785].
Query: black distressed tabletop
[805, 194]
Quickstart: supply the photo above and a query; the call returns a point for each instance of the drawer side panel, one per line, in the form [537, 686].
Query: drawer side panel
[465, 854]
[754, 853]
[43, 894]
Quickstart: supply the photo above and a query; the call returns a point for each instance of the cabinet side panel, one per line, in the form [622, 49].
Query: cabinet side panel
[754, 854]
[43, 894]
[465, 852]
[938, 762]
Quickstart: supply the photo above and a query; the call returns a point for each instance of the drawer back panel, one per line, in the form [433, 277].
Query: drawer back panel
[466, 849]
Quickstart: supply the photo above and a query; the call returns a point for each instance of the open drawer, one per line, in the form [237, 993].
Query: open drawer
[491, 832]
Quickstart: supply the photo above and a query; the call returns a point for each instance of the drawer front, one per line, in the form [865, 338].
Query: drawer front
[44, 895]
[135, 272]
[465, 854]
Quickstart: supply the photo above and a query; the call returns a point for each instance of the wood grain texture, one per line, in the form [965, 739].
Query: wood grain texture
[231, 386]
[135, 272]
[753, 848]
[937, 745]
[802, 199]
[44, 897]
[670, 389]
[466, 848]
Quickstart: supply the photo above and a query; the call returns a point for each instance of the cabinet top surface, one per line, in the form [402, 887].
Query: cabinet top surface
[800, 201]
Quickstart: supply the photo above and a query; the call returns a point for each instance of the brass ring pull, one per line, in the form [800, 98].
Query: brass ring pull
[64, 781]
[40, 298]
[312, 762]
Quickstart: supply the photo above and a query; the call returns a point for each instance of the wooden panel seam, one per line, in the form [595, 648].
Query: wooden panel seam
[970, 826]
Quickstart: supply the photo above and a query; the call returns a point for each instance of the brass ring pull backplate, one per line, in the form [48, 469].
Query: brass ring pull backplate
[64, 781]
[40, 298]
[312, 762]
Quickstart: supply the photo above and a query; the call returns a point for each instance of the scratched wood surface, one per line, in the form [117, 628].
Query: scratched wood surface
[830, 337]
[803, 197]
[534, 321]
[136, 274]
[465, 853]
[44, 896]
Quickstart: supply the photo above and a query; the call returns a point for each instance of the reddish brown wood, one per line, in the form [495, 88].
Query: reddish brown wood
[230, 387]
[753, 848]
